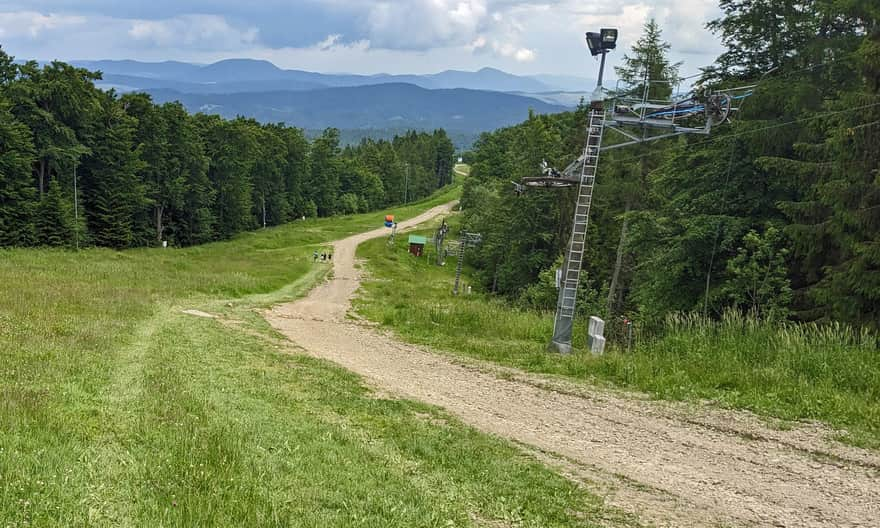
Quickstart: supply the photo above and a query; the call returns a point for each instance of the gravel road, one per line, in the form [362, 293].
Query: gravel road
[667, 464]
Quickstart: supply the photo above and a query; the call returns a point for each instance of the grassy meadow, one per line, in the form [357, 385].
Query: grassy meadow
[116, 409]
[790, 372]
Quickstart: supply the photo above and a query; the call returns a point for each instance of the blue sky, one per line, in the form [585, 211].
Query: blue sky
[358, 36]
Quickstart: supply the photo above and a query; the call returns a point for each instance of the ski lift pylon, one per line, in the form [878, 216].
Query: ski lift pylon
[694, 112]
[634, 114]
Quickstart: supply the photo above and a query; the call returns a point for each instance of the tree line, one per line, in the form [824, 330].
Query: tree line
[777, 213]
[87, 166]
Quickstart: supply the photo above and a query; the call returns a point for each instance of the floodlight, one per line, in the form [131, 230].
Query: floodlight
[594, 41]
[609, 38]
[602, 42]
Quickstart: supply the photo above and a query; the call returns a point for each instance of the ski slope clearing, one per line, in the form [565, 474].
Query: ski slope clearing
[669, 464]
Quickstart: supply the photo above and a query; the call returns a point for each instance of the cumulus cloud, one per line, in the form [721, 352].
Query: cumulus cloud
[192, 31]
[329, 42]
[424, 24]
[509, 50]
[482, 26]
[32, 24]
[522, 36]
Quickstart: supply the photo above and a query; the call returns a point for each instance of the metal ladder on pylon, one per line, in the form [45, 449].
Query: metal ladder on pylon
[467, 240]
[571, 269]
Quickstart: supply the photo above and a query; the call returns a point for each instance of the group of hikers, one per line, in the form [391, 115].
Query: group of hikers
[325, 256]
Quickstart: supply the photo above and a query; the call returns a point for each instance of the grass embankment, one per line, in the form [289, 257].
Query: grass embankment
[782, 371]
[118, 410]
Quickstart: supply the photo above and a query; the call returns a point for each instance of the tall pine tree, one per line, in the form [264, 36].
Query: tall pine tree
[113, 190]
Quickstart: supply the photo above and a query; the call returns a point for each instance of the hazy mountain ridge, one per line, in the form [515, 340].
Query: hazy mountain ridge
[464, 103]
[260, 75]
[380, 106]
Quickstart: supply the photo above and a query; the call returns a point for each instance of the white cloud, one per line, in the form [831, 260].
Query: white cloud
[524, 55]
[329, 42]
[193, 31]
[421, 25]
[369, 36]
[510, 50]
[424, 24]
[32, 24]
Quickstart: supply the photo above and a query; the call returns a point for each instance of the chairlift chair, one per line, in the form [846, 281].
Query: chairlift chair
[550, 178]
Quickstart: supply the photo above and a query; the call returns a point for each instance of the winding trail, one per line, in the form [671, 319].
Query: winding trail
[667, 464]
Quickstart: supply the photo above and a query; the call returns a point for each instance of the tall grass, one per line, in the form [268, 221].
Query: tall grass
[793, 371]
[829, 373]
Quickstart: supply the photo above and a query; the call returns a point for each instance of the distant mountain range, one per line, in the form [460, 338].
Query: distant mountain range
[463, 103]
[379, 106]
[231, 76]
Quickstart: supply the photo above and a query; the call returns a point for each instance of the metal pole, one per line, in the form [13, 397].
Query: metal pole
[597, 94]
[393, 234]
[571, 270]
[75, 209]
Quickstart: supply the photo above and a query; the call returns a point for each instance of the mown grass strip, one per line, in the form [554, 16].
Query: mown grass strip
[118, 409]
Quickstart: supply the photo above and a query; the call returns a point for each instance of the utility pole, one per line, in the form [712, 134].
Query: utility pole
[439, 238]
[75, 207]
[406, 186]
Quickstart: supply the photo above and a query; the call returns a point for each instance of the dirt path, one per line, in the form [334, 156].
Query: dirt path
[670, 465]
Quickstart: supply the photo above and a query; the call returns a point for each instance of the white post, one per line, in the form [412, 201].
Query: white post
[595, 336]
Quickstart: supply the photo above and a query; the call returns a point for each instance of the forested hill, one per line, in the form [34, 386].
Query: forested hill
[248, 75]
[777, 214]
[79, 165]
[370, 107]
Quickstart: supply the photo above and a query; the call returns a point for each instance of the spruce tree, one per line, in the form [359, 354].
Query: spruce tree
[161, 178]
[55, 220]
[835, 225]
[648, 62]
[114, 192]
[646, 71]
[232, 147]
[295, 169]
[17, 195]
[271, 206]
[189, 217]
[323, 186]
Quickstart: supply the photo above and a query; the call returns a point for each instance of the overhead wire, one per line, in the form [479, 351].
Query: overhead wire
[755, 131]
[786, 75]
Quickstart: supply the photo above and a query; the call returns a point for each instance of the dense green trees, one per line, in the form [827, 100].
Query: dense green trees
[778, 213]
[16, 191]
[147, 173]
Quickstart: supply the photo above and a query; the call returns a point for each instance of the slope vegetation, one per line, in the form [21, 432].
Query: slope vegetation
[139, 388]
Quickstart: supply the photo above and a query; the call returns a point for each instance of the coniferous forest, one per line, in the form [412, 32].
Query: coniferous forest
[776, 214]
[81, 166]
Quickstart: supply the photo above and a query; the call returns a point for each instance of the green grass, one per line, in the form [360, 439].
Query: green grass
[118, 410]
[780, 371]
